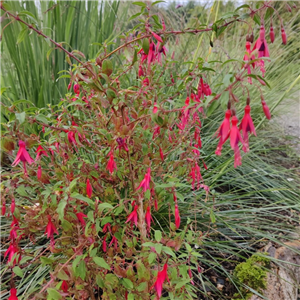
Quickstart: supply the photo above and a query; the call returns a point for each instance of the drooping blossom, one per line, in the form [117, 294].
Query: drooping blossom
[145, 183]
[3, 209]
[23, 156]
[133, 217]
[13, 294]
[161, 154]
[13, 206]
[114, 241]
[11, 251]
[283, 36]
[261, 44]
[40, 151]
[272, 34]
[155, 204]
[160, 279]
[157, 37]
[14, 227]
[64, 286]
[106, 228]
[89, 189]
[235, 138]
[177, 216]
[104, 245]
[76, 88]
[39, 172]
[80, 216]
[155, 108]
[266, 110]
[141, 72]
[223, 131]
[111, 165]
[156, 131]
[122, 144]
[191, 276]
[50, 230]
[248, 57]
[195, 174]
[148, 218]
[247, 126]
[203, 89]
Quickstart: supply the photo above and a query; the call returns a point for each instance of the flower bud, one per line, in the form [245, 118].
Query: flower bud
[283, 36]
[272, 34]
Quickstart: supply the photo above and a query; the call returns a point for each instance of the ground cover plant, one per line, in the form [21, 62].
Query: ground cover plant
[122, 199]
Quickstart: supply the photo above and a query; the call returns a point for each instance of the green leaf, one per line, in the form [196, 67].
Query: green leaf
[158, 235]
[42, 119]
[142, 287]
[256, 19]
[61, 209]
[101, 263]
[21, 35]
[2, 90]
[158, 248]
[242, 6]
[46, 261]
[168, 250]
[103, 206]
[29, 15]
[156, 2]
[54, 294]
[21, 191]
[81, 270]
[148, 244]
[17, 270]
[21, 117]
[151, 257]
[62, 275]
[269, 13]
[134, 16]
[127, 283]
[181, 284]
[212, 216]
[82, 198]
[139, 4]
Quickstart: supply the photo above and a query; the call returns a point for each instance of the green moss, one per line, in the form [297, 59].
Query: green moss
[253, 274]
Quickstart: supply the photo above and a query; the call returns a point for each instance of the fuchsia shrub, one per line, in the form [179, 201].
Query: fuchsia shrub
[107, 159]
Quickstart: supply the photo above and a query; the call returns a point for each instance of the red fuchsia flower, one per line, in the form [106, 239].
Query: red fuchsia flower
[64, 286]
[155, 108]
[10, 252]
[106, 228]
[223, 131]
[148, 218]
[203, 89]
[261, 44]
[145, 183]
[71, 137]
[161, 49]
[247, 126]
[160, 279]
[23, 156]
[196, 176]
[122, 144]
[80, 217]
[40, 151]
[104, 245]
[111, 165]
[177, 216]
[3, 209]
[114, 242]
[272, 34]
[235, 138]
[69, 85]
[283, 36]
[141, 72]
[76, 88]
[156, 131]
[39, 172]
[50, 230]
[14, 227]
[155, 204]
[157, 37]
[266, 110]
[89, 189]
[191, 276]
[13, 294]
[133, 217]
[161, 154]
[13, 206]
[248, 57]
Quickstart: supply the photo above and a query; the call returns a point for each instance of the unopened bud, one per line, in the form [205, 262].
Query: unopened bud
[283, 36]
[248, 100]
[272, 34]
